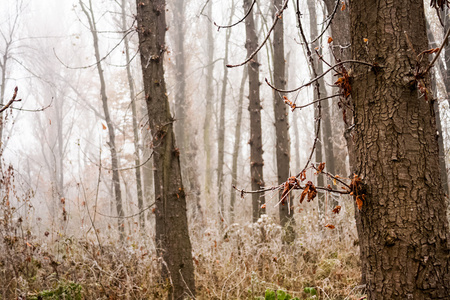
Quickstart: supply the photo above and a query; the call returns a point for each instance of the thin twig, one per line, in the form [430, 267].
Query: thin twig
[330, 18]
[277, 17]
[320, 76]
[246, 15]
[318, 100]
[127, 217]
[10, 102]
[439, 52]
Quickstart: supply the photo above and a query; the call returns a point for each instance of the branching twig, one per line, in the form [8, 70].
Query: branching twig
[241, 20]
[10, 102]
[439, 52]
[277, 17]
[320, 76]
[330, 19]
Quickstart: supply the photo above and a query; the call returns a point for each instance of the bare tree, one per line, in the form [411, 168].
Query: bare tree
[256, 150]
[90, 16]
[172, 234]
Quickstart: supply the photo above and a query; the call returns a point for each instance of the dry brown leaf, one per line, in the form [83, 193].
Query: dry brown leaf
[330, 226]
[330, 39]
[337, 209]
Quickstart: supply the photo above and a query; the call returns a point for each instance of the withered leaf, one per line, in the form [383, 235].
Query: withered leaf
[337, 209]
[320, 168]
[359, 202]
[330, 39]
[330, 226]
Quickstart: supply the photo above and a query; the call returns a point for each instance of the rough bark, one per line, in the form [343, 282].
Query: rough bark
[89, 12]
[256, 151]
[172, 235]
[281, 122]
[397, 156]
[137, 158]
[237, 143]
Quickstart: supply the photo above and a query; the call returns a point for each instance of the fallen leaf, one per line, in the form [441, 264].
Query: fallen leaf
[330, 226]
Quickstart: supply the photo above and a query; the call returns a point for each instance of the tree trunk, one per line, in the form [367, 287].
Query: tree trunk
[186, 140]
[89, 12]
[209, 101]
[172, 234]
[256, 151]
[237, 143]
[281, 123]
[318, 93]
[397, 155]
[137, 158]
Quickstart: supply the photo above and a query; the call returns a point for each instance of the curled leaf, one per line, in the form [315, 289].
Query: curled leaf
[337, 209]
[330, 226]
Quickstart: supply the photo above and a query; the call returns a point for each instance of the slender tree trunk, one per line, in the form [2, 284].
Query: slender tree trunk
[89, 12]
[186, 140]
[318, 93]
[237, 144]
[406, 237]
[209, 101]
[137, 159]
[256, 151]
[281, 123]
[221, 133]
[172, 234]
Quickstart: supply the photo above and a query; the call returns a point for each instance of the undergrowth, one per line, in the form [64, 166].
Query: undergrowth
[235, 261]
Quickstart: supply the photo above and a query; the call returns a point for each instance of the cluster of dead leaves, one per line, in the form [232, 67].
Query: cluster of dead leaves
[290, 184]
[344, 83]
[310, 191]
[355, 187]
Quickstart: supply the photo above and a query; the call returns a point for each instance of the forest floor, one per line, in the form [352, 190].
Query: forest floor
[236, 261]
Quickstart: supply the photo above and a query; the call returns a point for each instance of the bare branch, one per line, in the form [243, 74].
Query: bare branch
[10, 102]
[277, 17]
[241, 20]
[321, 75]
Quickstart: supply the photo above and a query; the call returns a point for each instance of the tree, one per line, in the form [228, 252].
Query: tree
[281, 120]
[90, 16]
[256, 151]
[405, 238]
[137, 159]
[172, 235]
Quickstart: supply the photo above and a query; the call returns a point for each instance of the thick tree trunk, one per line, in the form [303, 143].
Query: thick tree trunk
[237, 144]
[172, 234]
[256, 151]
[406, 236]
[281, 122]
[89, 12]
[137, 158]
